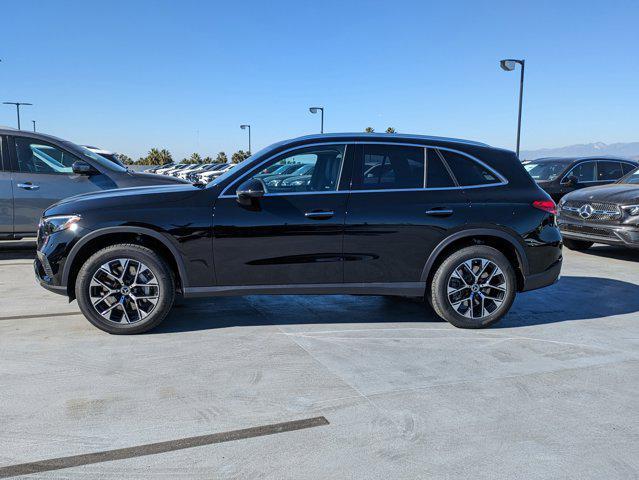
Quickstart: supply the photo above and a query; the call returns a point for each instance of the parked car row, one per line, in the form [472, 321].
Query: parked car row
[203, 173]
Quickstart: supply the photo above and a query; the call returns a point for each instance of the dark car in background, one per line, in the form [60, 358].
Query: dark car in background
[458, 223]
[37, 170]
[607, 214]
[561, 175]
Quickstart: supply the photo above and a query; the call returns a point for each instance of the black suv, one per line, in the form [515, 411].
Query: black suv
[457, 222]
[608, 214]
[561, 175]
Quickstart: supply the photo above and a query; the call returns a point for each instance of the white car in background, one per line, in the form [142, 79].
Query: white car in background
[209, 176]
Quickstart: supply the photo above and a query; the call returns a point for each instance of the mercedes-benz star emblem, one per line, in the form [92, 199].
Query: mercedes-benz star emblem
[585, 211]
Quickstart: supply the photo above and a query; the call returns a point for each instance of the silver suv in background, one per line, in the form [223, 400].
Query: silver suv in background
[38, 170]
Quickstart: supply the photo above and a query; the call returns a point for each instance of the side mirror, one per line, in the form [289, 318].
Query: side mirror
[249, 190]
[80, 167]
[571, 181]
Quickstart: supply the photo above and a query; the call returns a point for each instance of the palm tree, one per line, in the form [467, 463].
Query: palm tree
[165, 156]
[390, 130]
[221, 158]
[369, 129]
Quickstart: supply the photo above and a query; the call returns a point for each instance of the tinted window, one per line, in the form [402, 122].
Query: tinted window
[627, 168]
[607, 170]
[585, 172]
[34, 156]
[313, 169]
[632, 178]
[390, 167]
[467, 171]
[437, 175]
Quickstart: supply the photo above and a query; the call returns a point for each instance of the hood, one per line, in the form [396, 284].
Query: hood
[123, 196]
[619, 193]
[154, 179]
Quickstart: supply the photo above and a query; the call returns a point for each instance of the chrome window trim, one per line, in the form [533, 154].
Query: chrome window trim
[563, 179]
[502, 180]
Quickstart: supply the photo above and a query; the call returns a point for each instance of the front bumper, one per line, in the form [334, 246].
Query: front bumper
[606, 233]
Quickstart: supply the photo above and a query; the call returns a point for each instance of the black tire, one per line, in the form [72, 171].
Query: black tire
[577, 245]
[437, 291]
[161, 273]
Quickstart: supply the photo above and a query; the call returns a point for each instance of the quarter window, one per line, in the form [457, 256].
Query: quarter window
[627, 168]
[34, 156]
[607, 170]
[313, 169]
[467, 171]
[390, 167]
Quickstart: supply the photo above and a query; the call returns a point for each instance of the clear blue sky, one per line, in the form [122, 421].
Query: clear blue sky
[131, 75]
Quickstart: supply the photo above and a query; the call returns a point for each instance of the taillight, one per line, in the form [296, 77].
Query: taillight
[546, 205]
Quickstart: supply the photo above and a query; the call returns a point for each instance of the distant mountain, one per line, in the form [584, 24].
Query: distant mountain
[627, 150]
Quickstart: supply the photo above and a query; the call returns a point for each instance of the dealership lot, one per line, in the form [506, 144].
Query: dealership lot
[551, 392]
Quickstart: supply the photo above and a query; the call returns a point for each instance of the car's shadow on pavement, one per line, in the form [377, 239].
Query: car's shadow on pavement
[17, 250]
[572, 298]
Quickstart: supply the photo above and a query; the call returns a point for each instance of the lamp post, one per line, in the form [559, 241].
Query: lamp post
[17, 104]
[244, 127]
[33, 125]
[314, 110]
[509, 65]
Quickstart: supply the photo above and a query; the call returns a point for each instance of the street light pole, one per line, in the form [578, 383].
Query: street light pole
[321, 109]
[17, 104]
[509, 65]
[244, 127]
[33, 125]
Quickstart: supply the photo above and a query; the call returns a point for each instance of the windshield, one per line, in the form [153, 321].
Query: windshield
[632, 178]
[545, 171]
[244, 164]
[100, 159]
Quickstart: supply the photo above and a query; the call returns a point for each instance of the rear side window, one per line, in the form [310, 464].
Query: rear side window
[437, 174]
[467, 171]
[585, 172]
[607, 170]
[390, 167]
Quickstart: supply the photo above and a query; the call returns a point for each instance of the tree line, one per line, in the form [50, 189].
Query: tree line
[157, 156]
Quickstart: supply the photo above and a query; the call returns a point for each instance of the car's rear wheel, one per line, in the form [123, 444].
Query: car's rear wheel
[577, 244]
[473, 288]
[125, 289]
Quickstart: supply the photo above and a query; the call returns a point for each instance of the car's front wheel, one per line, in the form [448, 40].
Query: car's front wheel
[473, 288]
[125, 289]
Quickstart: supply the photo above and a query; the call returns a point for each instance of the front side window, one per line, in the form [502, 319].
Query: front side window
[633, 178]
[585, 172]
[312, 169]
[627, 168]
[390, 167]
[609, 171]
[467, 171]
[34, 156]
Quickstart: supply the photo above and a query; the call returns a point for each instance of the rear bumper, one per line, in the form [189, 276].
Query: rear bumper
[543, 279]
[609, 234]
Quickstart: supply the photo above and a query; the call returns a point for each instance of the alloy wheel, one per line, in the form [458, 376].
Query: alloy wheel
[124, 291]
[476, 288]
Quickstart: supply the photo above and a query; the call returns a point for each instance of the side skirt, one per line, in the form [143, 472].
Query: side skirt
[409, 289]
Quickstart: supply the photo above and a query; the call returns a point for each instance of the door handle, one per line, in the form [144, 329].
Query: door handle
[439, 212]
[28, 186]
[319, 214]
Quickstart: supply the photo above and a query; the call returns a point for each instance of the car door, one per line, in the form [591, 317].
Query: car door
[285, 237]
[585, 173]
[6, 192]
[403, 202]
[41, 176]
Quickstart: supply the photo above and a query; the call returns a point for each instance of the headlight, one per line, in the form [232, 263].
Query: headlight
[273, 183]
[297, 183]
[633, 210]
[562, 201]
[57, 223]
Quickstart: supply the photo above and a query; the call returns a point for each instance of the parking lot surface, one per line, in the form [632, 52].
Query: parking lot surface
[551, 392]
